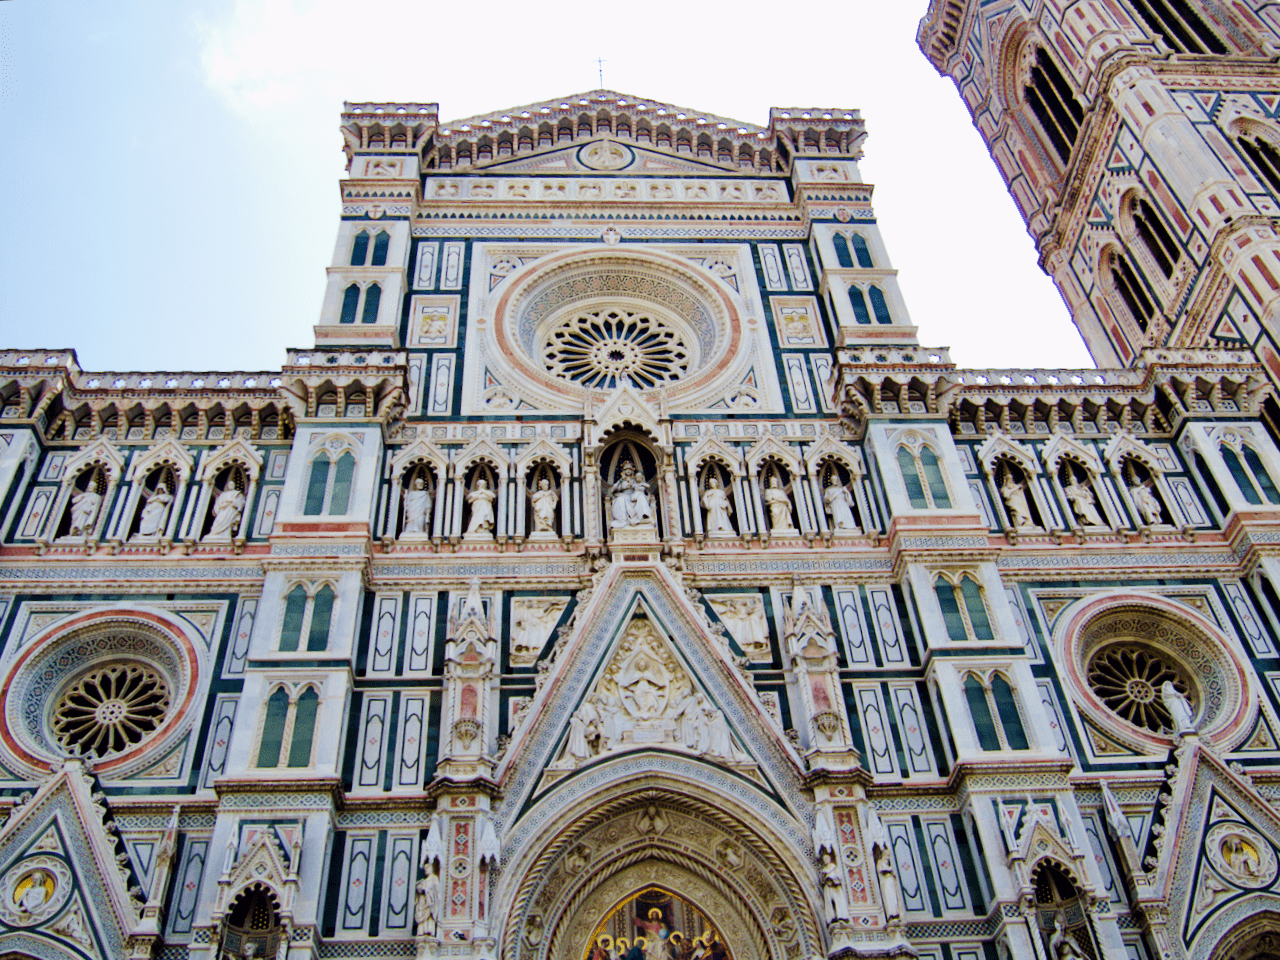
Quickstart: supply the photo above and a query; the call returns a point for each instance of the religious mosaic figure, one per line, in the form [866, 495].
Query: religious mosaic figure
[227, 510]
[1014, 495]
[84, 510]
[839, 503]
[718, 508]
[1148, 504]
[155, 513]
[481, 502]
[417, 507]
[632, 505]
[1083, 503]
[779, 505]
[545, 501]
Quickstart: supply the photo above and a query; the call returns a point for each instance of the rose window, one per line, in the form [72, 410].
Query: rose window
[110, 709]
[599, 349]
[1128, 678]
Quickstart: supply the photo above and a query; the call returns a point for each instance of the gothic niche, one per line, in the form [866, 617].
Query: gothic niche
[1141, 485]
[80, 519]
[663, 925]
[1077, 486]
[226, 505]
[1015, 493]
[543, 515]
[838, 499]
[715, 485]
[253, 927]
[777, 493]
[417, 500]
[151, 519]
[1062, 914]
[629, 479]
[479, 517]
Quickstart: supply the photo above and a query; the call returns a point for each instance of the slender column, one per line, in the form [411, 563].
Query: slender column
[249, 508]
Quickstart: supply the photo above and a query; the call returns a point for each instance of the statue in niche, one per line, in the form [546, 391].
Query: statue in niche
[227, 511]
[839, 503]
[1179, 707]
[1014, 495]
[1062, 945]
[84, 510]
[779, 506]
[1148, 504]
[481, 501]
[1083, 502]
[40, 891]
[426, 908]
[833, 886]
[878, 839]
[545, 500]
[632, 503]
[156, 512]
[417, 507]
[716, 503]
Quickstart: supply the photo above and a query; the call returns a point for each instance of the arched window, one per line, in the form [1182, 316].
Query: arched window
[304, 728]
[1155, 236]
[350, 304]
[1263, 155]
[879, 305]
[922, 475]
[372, 297]
[1250, 476]
[994, 708]
[964, 610]
[360, 249]
[1124, 280]
[951, 614]
[1179, 26]
[859, 302]
[292, 721]
[380, 244]
[1050, 98]
[306, 614]
[861, 251]
[329, 485]
[277, 716]
[975, 609]
[843, 256]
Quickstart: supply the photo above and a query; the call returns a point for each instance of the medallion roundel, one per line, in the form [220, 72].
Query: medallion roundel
[33, 890]
[1241, 855]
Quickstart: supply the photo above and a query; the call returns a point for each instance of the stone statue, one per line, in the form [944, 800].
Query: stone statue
[417, 507]
[833, 887]
[544, 501]
[877, 837]
[632, 505]
[1148, 504]
[779, 506]
[38, 893]
[1014, 495]
[1062, 946]
[1083, 503]
[839, 503]
[716, 503]
[1184, 720]
[531, 621]
[744, 618]
[156, 512]
[481, 502]
[227, 510]
[426, 908]
[84, 510]
[1118, 822]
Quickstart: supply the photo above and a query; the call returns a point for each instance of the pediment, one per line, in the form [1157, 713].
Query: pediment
[626, 406]
[235, 451]
[1063, 446]
[63, 882]
[998, 445]
[100, 452]
[419, 450]
[167, 451]
[637, 646]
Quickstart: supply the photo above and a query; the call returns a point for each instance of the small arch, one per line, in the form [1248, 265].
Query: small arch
[861, 251]
[858, 300]
[350, 304]
[372, 298]
[360, 248]
[304, 727]
[843, 257]
[381, 244]
[274, 719]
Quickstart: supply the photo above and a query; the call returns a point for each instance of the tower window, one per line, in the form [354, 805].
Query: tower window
[1134, 294]
[880, 306]
[372, 297]
[350, 303]
[994, 709]
[858, 301]
[922, 475]
[963, 609]
[329, 485]
[360, 249]
[291, 721]
[1178, 26]
[861, 252]
[1050, 98]
[1251, 476]
[1155, 237]
[1264, 157]
[843, 257]
[310, 615]
[380, 244]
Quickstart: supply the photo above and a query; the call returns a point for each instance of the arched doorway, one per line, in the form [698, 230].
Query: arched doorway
[663, 924]
[1062, 912]
[1254, 938]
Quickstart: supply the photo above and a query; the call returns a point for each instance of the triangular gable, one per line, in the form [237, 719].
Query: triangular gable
[999, 445]
[420, 449]
[168, 451]
[57, 841]
[1218, 858]
[1062, 446]
[625, 406]
[769, 446]
[100, 452]
[235, 451]
[598, 632]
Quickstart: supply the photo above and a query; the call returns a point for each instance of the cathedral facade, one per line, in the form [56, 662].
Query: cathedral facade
[618, 578]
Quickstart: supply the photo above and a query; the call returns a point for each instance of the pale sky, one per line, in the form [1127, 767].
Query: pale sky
[169, 188]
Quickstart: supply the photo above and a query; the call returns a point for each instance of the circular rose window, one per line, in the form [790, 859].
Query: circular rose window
[600, 348]
[1127, 677]
[110, 709]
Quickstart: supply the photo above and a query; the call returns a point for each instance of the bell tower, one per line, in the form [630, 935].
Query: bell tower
[1140, 139]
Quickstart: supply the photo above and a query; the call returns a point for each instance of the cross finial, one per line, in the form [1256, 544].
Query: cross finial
[600, 67]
